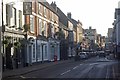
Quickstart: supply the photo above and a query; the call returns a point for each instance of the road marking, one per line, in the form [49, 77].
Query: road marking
[93, 64]
[75, 67]
[65, 72]
[22, 77]
[26, 77]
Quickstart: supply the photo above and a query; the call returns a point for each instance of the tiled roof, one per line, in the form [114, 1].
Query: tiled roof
[63, 26]
[46, 4]
[62, 17]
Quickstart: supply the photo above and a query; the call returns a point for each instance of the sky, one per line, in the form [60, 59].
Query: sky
[99, 14]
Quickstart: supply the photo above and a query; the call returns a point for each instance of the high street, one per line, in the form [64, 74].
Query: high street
[97, 67]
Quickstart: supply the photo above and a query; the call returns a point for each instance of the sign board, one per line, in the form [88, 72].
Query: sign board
[27, 8]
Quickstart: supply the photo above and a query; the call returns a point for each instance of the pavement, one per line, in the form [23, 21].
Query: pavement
[24, 70]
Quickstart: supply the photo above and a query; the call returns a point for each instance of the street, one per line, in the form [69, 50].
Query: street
[90, 68]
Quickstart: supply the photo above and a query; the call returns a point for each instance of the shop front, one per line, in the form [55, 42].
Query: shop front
[54, 49]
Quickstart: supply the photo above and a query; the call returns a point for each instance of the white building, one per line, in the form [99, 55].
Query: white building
[13, 19]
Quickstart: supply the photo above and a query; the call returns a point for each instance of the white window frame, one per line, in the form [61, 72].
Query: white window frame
[45, 11]
[39, 9]
[13, 20]
[45, 30]
[20, 18]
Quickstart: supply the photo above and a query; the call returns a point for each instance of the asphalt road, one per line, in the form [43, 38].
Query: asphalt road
[90, 68]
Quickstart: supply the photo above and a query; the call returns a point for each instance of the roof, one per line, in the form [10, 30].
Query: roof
[63, 26]
[74, 22]
[46, 4]
[62, 17]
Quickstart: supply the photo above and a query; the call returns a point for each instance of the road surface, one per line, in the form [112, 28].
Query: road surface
[90, 68]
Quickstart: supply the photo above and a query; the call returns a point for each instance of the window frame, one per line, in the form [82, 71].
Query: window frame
[32, 30]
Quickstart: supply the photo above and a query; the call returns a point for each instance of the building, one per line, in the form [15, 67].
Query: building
[116, 31]
[13, 34]
[78, 31]
[44, 24]
[109, 34]
[68, 31]
[91, 35]
[109, 40]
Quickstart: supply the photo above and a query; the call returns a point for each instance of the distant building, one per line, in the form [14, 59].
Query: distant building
[78, 30]
[68, 29]
[91, 35]
[110, 33]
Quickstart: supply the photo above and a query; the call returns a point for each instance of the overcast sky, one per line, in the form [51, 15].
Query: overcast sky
[96, 13]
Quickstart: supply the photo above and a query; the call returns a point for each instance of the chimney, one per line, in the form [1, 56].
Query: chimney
[53, 4]
[69, 15]
[90, 27]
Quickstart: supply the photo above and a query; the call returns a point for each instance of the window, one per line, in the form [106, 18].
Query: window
[40, 26]
[52, 16]
[31, 23]
[20, 18]
[39, 9]
[52, 31]
[7, 14]
[45, 51]
[45, 11]
[14, 16]
[45, 26]
[34, 52]
[38, 52]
